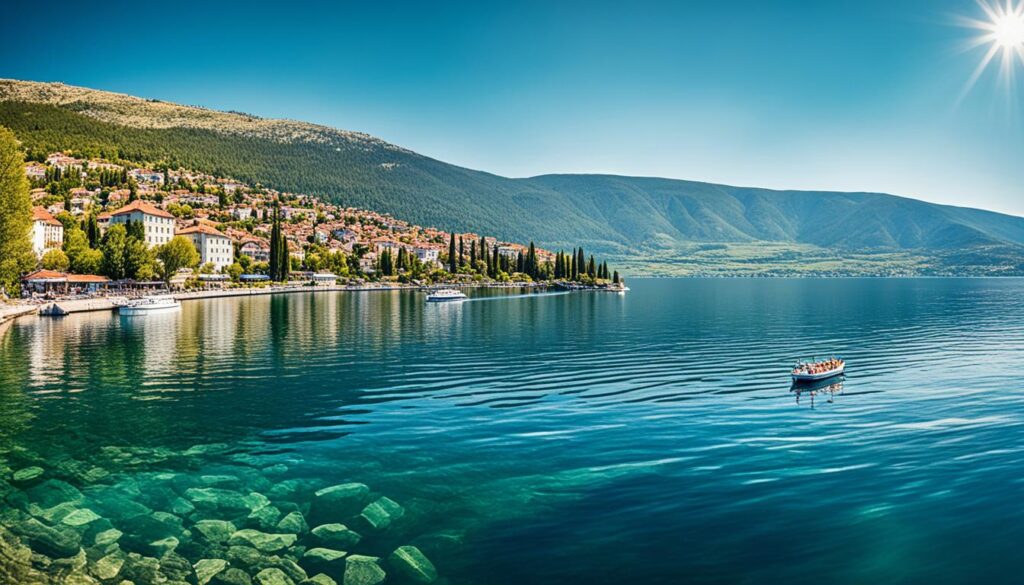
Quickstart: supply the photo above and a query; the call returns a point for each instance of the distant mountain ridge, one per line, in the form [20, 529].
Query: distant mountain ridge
[632, 217]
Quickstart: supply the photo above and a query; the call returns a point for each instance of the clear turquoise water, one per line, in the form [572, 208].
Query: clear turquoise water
[597, 438]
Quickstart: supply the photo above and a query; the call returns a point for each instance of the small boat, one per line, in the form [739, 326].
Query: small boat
[149, 305]
[811, 370]
[445, 295]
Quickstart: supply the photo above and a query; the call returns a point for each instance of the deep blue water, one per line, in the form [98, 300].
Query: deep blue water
[651, 437]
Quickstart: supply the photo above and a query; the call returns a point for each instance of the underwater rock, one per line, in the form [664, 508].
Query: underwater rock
[381, 513]
[324, 560]
[413, 564]
[142, 569]
[181, 507]
[164, 545]
[231, 577]
[244, 556]
[108, 537]
[54, 515]
[54, 542]
[363, 570]
[177, 568]
[227, 503]
[320, 579]
[53, 492]
[262, 541]
[81, 517]
[273, 576]
[219, 480]
[336, 535]
[264, 518]
[206, 569]
[338, 502]
[27, 475]
[94, 474]
[109, 566]
[276, 469]
[114, 503]
[215, 531]
[293, 523]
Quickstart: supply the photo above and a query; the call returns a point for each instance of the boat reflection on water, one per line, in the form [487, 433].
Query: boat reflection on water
[830, 387]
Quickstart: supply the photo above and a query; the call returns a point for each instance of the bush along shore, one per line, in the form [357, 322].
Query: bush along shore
[243, 520]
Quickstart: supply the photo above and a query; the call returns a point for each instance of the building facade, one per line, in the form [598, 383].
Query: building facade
[157, 224]
[47, 232]
[214, 247]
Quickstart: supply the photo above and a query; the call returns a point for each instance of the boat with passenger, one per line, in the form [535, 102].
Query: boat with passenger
[446, 295]
[812, 370]
[149, 305]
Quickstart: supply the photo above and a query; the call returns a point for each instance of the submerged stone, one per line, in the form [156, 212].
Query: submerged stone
[324, 560]
[182, 507]
[339, 502]
[262, 541]
[336, 535]
[206, 569]
[320, 579]
[245, 556]
[109, 566]
[177, 568]
[231, 577]
[107, 537]
[381, 513]
[53, 542]
[215, 531]
[219, 501]
[293, 523]
[264, 518]
[273, 576]
[54, 515]
[27, 474]
[413, 564]
[81, 517]
[363, 570]
[53, 492]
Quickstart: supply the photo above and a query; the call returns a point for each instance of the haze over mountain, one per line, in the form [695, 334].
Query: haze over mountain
[659, 225]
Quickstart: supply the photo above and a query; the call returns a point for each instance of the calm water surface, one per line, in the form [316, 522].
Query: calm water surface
[645, 438]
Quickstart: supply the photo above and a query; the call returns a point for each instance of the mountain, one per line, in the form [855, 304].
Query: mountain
[655, 225]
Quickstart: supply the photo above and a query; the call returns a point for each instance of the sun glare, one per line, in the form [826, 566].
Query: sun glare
[1001, 34]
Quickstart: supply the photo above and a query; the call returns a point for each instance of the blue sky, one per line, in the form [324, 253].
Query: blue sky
[864, 95]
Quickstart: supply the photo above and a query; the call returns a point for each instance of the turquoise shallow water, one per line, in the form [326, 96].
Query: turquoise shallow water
[648, 438]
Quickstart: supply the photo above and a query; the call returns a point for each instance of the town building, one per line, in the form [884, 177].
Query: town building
[258, 250]
[158, 224]
[214, 247]
[47, 232]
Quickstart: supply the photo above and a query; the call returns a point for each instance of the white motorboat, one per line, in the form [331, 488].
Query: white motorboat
[445, 295]
[149, 305]
[810, 371]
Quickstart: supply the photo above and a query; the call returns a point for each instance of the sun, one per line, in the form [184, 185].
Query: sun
[1001, 34]
[1008, 31]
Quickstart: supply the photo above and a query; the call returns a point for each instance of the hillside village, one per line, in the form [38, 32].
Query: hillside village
[231, 226]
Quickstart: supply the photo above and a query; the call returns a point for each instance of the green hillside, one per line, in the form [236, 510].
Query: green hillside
[656, 225]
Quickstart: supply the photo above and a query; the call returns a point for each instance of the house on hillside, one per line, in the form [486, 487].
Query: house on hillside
[256, 249]
[47, 232]
[157, 223]
[214, 247]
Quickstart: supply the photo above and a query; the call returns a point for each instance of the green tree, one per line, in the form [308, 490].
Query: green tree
[177, 254]
[234, 271]
[55, 259]
[453, 261]
[140, 260]
[16, 255]
[88, 262]
[75, 244]
[114, 247]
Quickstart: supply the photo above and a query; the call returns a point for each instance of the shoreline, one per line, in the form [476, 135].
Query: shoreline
[61, 308]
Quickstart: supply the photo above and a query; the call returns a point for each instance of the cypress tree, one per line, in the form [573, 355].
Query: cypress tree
[472, 255]
[531, 261]
[452, 259]
[591, 268]
[462, 252]
[520, 262]
[275, 231]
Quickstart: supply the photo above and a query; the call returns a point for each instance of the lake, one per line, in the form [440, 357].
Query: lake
[651, 437]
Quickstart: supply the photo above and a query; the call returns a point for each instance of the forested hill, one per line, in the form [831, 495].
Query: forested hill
[632, 217]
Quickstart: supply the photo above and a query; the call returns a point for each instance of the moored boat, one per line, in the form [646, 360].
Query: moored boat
[446, 295]
[151, 304]
[812, 370]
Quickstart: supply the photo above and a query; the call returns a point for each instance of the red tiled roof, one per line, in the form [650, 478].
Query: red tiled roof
[200, 229]
[44, 274]
[144, 207]
[81, 278]
[40, 214]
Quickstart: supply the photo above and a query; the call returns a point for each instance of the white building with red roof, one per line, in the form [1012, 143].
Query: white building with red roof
[157, 223]
[47, 232]
[214, 247]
